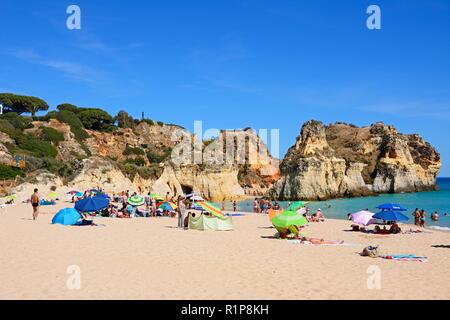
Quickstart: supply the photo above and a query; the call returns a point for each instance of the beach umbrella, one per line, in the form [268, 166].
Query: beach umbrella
[156, 196]
[363, 217]
[273, 213]
[92, 204]
[9, 198]
[197, 198]
[168, 206]
[287, 219]
[207, 206]
[73, 192]
[391, 207]
[52, 196]
[66, 217]
[295, 206]
[391, 216]
[103, 195]
[136, 201]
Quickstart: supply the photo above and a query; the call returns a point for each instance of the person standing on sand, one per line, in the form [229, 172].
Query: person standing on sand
[423, 218]
[35, 203]
[181, 211]
[234, 206]
[416, 216]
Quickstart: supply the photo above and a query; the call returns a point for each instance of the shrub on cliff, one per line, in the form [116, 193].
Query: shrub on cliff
[7, 172]
[94, 119]
[129, 151]
[124, 120]
[76, 126]
[17, 121]
[52, 135]
[37, 147]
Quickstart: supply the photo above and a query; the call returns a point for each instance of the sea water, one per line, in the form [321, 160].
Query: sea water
[339, 208]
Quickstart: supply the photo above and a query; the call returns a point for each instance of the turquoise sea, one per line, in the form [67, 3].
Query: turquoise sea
[339, 208]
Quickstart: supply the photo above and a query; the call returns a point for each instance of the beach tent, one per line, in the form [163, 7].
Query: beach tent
[66, 217]
[207, 206]
[205, 223]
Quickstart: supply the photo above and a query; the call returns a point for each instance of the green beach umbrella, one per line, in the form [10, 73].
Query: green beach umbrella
[9, 198]
[136, 201]
[288, 219]
[296, 205]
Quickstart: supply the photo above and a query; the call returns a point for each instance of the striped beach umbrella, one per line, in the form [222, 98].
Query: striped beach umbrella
[156, 196]
[168, 206]
[207, 206]
[136, 201]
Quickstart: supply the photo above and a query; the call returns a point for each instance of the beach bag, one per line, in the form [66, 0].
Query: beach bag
[370, 251]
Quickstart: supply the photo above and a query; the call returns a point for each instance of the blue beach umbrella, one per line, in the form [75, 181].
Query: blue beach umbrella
[66, 217]
[103, 195]
[92, 204]
[391, 216]
[391, 207]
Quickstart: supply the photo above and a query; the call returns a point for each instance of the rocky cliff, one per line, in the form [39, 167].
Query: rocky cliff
[338, 160]
[140, 159]
[343, 160]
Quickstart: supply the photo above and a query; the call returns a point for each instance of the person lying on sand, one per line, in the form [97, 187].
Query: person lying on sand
[315, 241]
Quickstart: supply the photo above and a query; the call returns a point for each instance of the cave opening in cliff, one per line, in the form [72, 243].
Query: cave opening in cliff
[186, 189]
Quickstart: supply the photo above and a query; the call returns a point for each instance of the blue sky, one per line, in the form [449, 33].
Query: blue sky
[234, 64]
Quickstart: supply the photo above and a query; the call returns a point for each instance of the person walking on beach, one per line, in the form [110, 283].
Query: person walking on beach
[35, 203]
[181, 211]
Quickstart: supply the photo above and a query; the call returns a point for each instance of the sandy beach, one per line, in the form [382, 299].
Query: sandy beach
[152, 259]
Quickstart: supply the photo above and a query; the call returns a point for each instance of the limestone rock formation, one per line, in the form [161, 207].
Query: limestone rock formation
[343, 160]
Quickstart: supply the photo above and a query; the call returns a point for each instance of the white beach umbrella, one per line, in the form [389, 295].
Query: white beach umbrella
[363, 218]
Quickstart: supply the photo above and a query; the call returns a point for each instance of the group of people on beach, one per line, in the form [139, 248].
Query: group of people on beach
[420, 217]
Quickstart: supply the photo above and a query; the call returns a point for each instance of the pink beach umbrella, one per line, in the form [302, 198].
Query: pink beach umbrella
[363, 218]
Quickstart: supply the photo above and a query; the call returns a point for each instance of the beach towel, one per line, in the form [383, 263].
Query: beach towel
[325, 243]
[404, 257]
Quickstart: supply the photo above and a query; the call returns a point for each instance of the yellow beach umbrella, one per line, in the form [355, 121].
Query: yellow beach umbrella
[52, 196]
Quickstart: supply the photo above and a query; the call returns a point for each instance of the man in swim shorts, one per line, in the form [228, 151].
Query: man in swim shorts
[35, 203]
